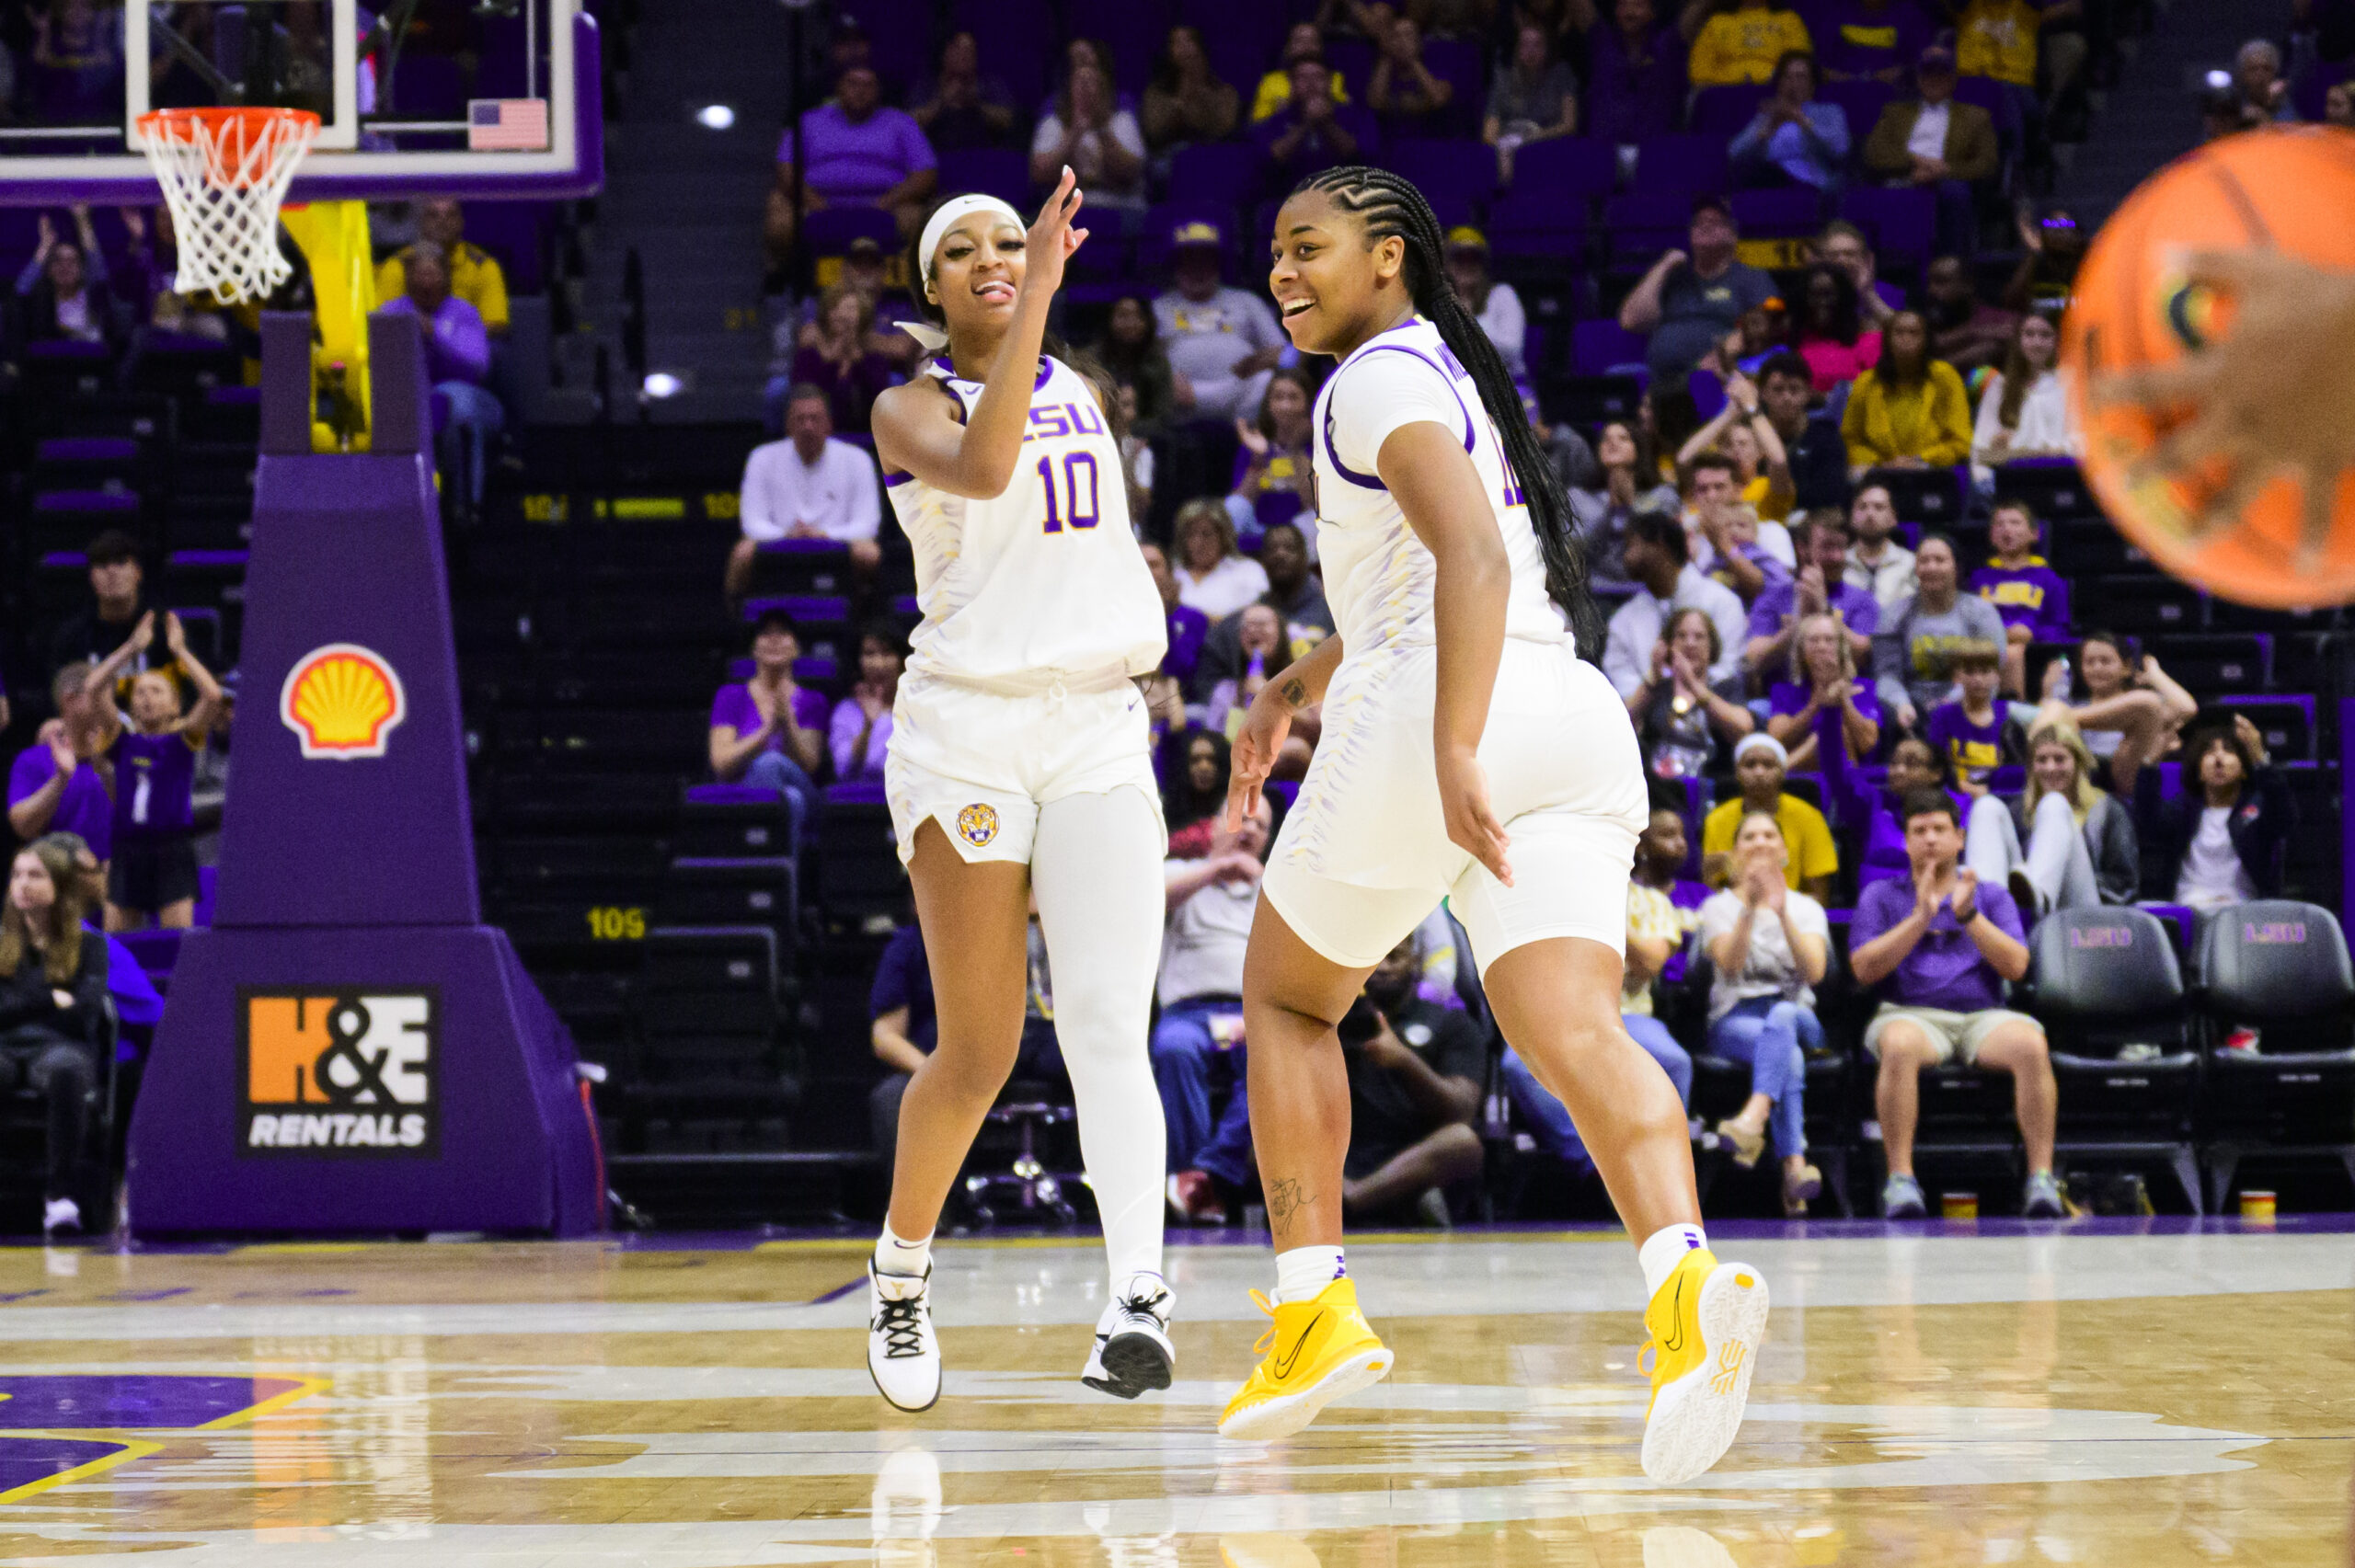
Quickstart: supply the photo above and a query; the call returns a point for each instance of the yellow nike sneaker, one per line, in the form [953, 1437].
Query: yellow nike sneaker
[1314, 1353]
[1706, 1322]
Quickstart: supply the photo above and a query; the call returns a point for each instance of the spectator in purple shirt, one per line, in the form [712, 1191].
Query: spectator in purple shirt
[1313, 132]
[153, 873]
[861, 732]
[1635, 74]
[2030, 596]
[1819, 543]
[54, 785]
[1947, 945]
[457, 362]
[857, 153]
[769, 732]
[1823, 680]
[64, 287]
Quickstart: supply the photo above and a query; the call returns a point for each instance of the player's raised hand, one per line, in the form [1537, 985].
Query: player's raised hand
[1053, 239]
[2264, 399]
[1257, 744]
[1472, 824]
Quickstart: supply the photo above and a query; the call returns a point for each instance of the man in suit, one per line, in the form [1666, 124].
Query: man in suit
[1934, 143]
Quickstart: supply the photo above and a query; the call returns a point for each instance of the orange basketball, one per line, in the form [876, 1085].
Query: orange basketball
[2290, 191]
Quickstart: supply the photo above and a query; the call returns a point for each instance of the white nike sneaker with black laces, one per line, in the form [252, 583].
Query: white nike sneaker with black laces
[902, 1355]
[1132, 1352]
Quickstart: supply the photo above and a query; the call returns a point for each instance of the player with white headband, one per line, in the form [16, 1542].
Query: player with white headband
[1020, 767]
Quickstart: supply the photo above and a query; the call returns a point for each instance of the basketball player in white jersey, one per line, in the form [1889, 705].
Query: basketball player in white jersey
[1021, 764]
[1470, 752]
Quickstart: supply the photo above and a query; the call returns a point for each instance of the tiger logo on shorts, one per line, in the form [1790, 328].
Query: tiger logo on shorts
[977, 825]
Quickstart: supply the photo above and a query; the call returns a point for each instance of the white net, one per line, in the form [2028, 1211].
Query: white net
[225, 172]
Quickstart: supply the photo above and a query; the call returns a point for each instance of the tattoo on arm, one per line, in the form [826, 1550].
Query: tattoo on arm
[1285, 1199]
[1296, 693]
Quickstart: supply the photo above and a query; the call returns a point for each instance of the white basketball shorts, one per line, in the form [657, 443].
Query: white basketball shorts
[1364, 854]
[983, 762]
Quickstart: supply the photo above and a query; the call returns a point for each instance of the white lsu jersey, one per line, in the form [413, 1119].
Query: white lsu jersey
[1045, 579]
[1378, 575]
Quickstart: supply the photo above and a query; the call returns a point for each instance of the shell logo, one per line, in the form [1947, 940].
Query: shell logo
[342, 701]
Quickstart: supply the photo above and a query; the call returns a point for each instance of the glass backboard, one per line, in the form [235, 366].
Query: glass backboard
[472, 98]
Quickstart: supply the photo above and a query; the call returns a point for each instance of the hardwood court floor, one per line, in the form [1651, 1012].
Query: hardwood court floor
[2144, 1396]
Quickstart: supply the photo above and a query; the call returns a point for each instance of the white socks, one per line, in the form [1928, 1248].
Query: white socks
[1096, 870]
[1303, 1272]
[1666, 1249]
[894, 1257]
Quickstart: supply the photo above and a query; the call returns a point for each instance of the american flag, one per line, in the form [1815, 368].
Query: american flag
[506, 125]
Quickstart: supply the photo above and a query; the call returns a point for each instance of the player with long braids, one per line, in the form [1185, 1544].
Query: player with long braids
[1470, 751]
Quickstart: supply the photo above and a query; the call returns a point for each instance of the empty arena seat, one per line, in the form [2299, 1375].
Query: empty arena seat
[734, 890]
[2144, 604]
[2104, 979]
[1685, 164]
[2092, 548]
[708, 1019]
[830, 230]
[1724, 111]
[1462, 170]
[2213, 663]
[859, 879]
[2280, 967]
[1580, 169]
[577, 737]
[1221, 173]
[721, 820]
[802, 566]
[1902, 222]
[1642, 224]
[1789, 212]
[1002, 172]
[2052, 487]
[2285, 721]
[1931, 497]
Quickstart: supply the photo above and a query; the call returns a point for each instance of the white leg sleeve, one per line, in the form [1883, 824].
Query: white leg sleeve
[1096, 870]
[1990, 845]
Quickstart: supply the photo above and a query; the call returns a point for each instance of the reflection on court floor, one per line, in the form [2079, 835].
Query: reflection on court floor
[2177, 1396]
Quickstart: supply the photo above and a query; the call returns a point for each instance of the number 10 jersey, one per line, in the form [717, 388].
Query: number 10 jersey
[1046, 580]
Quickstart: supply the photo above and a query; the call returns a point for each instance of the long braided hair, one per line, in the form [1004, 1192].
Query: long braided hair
[1388, 204]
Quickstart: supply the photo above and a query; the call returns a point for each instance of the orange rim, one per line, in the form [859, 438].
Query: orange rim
[180, 124]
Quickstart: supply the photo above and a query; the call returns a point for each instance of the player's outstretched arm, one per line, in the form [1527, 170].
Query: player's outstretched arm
[1440, 493]
[916, 430]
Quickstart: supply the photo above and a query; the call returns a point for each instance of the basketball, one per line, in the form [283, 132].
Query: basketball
[2238, 523]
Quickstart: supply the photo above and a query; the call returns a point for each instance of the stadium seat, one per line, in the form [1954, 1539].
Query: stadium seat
[1458, 177]
[1723, 112]
[88, 462]
[1577, 168]
[1222, 174]
[1902, 223]
[734, 890]
[67, 519]
[1931, 497]
[802, 566]
[2142, 604]
[1683, 163]
[1601, 347]
[830, 230]
[722, 821]
[2280, 967]
[2052, 487]
[1791, 212]
[860, 883]
[708, 1010]
[2090, 548]
[1002, 172]
[2106, 978]
[1861, 101]
[2216, 663]
[2285, 721]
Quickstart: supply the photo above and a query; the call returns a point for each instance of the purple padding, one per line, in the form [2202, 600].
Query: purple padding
[833, 548]
[64, 561]
[1283, 791]
[87, 449]
[61, 348]
[234, 397]
[1584, 167]
[861, 794]
[510, 232]
[182, 560]
[1601, 345]
[208, 893]
[729, 795]
[113, 503]
[817, 672]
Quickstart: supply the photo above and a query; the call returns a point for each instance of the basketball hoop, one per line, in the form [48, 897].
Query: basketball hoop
[225, 172]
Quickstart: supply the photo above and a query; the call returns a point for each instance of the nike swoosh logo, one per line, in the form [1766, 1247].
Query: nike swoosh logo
[1283, 1363]
[1674, 1342]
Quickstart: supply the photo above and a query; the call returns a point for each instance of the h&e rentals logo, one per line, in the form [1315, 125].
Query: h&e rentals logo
[342, 701]
[338, 1072]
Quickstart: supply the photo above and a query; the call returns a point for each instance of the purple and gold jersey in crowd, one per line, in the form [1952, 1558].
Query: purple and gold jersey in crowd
[2032, 595]
[154, 783]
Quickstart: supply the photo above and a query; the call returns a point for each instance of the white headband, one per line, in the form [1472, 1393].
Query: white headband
[932, 339]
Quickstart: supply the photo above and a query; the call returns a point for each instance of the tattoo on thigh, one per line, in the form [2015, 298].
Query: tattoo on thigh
[1285, 1199]
[1296, 693]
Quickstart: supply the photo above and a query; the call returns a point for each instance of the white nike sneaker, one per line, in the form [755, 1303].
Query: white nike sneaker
[902, 1355]
[1132, 1352]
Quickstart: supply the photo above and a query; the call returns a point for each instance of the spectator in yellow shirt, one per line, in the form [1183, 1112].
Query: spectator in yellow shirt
[1909, 411]
[475, 273]
[1758, 765]
[1742, 41]
[1305, 41]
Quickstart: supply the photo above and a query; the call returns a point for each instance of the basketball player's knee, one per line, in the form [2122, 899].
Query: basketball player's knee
[970, 1071]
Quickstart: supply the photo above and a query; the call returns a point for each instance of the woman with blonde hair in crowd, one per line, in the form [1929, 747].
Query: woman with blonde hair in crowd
[1823, 678]
[1213, 575]
[52, 1002]
[2080, 846]
[1770, 945]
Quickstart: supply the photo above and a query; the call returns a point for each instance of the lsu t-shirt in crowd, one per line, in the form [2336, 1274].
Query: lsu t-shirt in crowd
[1946, 967]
